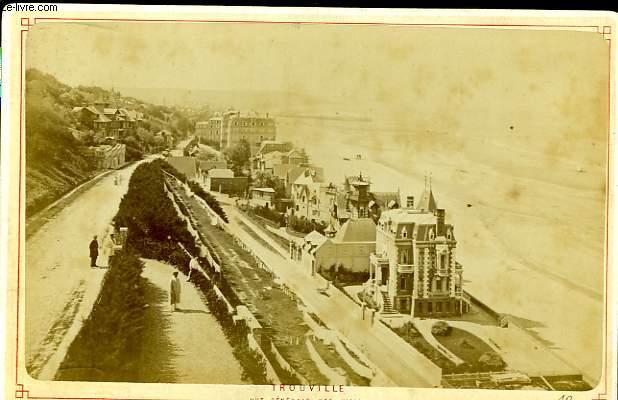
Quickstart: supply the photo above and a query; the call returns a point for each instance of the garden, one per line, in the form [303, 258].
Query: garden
[477, 355]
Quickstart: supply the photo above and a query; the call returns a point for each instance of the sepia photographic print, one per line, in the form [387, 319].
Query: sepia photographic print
[312, 204]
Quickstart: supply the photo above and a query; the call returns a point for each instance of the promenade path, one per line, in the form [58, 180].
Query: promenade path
[60, 285]
[200, 353]
[400, 362]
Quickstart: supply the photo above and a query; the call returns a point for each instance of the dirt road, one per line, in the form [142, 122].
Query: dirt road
[60, 285]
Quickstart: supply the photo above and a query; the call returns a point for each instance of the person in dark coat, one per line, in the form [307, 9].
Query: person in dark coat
[94, 252]
[175, 291]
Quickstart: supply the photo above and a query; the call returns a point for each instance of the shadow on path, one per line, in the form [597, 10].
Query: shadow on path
[157, 351]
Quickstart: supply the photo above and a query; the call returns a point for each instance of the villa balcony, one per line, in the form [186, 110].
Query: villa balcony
[405, 268]
[439, 294]
[442, 272]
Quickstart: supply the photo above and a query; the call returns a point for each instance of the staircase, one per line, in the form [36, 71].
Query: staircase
[387, 307]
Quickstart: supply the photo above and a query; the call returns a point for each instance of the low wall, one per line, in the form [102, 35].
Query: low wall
[252, 342]
[483, 306]
[270, 372]
[334, 378]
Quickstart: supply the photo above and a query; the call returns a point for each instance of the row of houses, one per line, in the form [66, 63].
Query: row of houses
[214, 174]
[110, 121]
[408, 255]
[406, 249]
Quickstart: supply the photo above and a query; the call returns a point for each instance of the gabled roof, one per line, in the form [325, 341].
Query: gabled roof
[305, 179]
[293, 152]
[110, 110]
[357, 230]
[268, 146]
[427, 202]
[220, 173]
[294, 173]
[102, 118]
[315, 237]
[383, 199]
[281, 170]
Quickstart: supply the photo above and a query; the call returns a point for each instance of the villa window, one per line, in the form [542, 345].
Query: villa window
[402, 283]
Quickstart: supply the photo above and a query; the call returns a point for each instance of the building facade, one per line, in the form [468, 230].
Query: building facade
[109, 156]
[231, 127]
[414, 269]
[262, 197]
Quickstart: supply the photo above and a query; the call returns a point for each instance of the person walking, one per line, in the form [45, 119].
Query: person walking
[175, 291]
[94, 252]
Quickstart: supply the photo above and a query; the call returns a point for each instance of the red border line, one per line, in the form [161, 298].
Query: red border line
[309, 22]
[608, 181]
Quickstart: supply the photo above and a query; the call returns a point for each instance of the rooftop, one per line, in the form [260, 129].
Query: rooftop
[409, 216]
[315, 237]
[357, 230]
[221, 173]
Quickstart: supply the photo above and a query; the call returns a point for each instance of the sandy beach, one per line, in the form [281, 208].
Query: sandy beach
[530, 238]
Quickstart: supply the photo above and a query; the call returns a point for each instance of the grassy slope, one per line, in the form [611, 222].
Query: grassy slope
[55, 161]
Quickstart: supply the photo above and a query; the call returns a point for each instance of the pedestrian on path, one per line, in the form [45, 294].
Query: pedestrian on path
[193, 265]
[175, 291]
[94, 252]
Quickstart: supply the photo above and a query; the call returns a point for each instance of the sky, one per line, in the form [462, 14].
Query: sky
[547, 89]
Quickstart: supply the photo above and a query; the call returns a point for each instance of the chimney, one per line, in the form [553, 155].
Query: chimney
[440, 214]
[410, 202]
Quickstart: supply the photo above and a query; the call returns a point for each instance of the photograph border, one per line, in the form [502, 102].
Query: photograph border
[26, 22]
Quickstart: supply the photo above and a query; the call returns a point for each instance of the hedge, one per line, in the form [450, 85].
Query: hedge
[106, 347]
[212, 202]
[155, 228]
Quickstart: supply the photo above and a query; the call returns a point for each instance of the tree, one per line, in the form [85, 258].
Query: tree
[238, 155]
[266, 180]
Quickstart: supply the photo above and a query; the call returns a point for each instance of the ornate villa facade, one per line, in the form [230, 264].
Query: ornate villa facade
[414, 270]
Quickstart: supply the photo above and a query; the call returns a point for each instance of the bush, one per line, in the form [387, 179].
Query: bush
[441, 328]
[271, 215]
[366, 298]
[105, 348]
[303, 225]
[491, 361]
[342, 276]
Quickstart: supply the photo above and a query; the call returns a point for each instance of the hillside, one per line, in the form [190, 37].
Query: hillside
[55, 160]
[57, 143]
